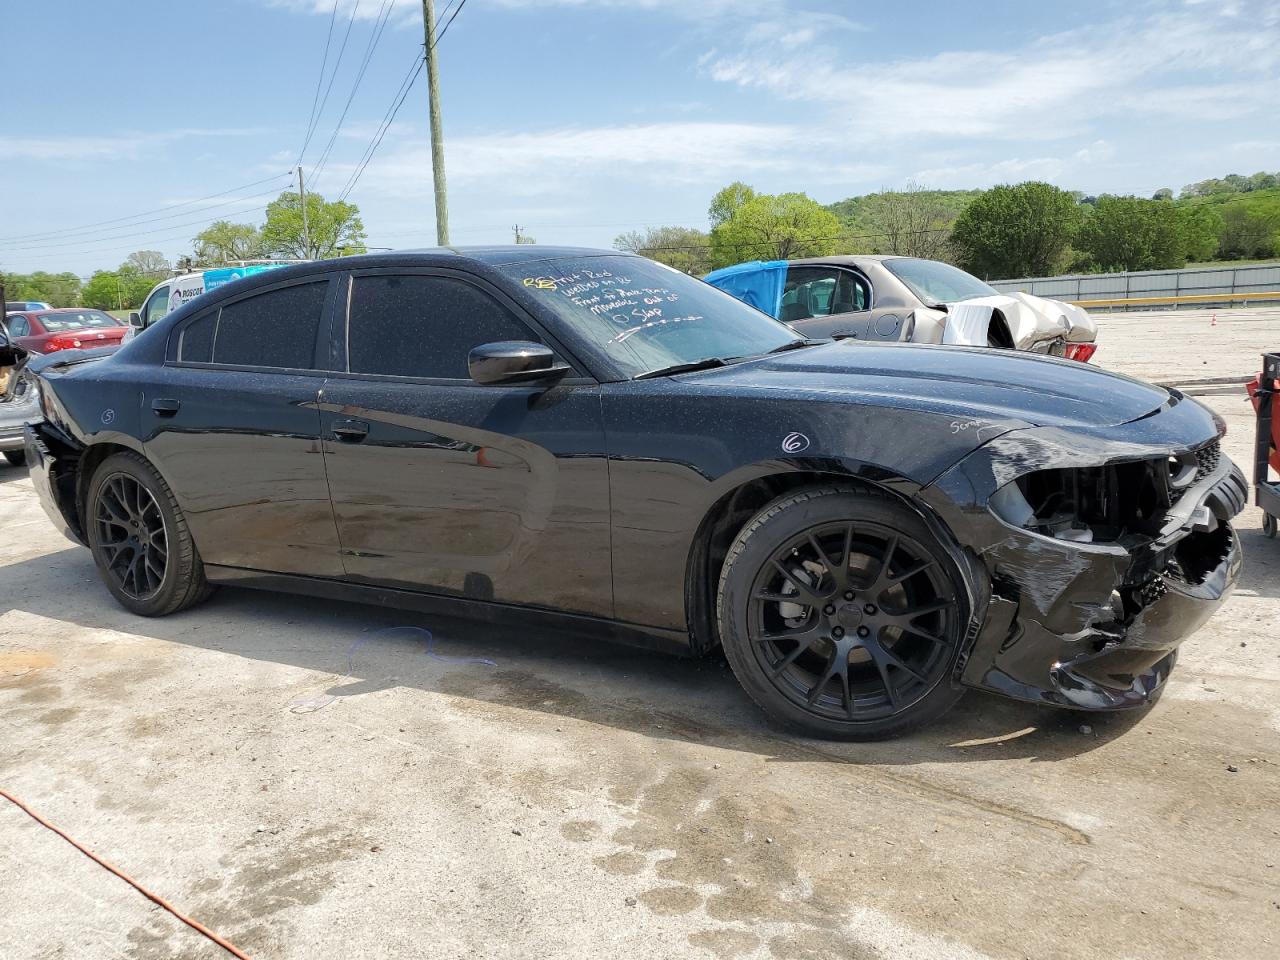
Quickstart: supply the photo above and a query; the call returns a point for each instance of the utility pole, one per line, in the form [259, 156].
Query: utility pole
[306, 233]
[516, 228]
[437, 138]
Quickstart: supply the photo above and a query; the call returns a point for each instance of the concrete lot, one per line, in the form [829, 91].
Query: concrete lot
[308, 790]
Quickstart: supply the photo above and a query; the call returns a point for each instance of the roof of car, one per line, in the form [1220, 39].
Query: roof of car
[497, 254]
[853, 258]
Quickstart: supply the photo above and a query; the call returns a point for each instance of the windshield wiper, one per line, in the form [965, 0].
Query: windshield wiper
[795, 345]
[705, 364]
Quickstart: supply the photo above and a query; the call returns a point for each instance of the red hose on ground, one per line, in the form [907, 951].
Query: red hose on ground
[193, 924]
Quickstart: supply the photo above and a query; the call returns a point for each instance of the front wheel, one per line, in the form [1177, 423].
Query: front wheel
[139, 539]
[841, 614]
[16, 458]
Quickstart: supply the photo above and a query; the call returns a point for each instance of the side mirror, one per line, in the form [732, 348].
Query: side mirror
[514, 362]
[135, 319]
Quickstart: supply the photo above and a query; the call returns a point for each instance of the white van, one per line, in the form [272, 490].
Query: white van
[174, 292]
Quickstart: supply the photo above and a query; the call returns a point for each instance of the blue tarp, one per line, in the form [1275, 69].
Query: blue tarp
[758, 283]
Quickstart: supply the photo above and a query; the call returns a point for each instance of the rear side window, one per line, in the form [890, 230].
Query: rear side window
[273, 329]
[197, 340]
[415, 326]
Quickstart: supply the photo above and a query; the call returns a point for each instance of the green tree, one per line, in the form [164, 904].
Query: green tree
[1164, 193]
[1023, 230]
[684, 248]
[59, 289]
[1127, 233]
[728, 201]
[122, 289]
[1249, 234]
[224, 242]
[781, 226]
[333, 228]
[104, 291]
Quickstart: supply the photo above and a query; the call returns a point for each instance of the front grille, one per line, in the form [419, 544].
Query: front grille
[1207, 459]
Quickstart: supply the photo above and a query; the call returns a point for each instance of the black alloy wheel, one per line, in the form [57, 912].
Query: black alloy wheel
[842, 615]
[140, 540]
[849, 620]
[131, 532]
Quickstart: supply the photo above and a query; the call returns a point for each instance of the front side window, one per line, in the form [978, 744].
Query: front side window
[937, 283]
[640, 316]
[822, 292]
[273, 329]
[157, 306]
[422, 326]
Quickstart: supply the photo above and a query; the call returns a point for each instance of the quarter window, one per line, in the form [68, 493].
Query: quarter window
[197, 339]
[420, 326]
[273, 329]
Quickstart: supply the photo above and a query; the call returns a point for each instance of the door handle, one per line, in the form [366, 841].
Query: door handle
[350, 431]
[165, 408]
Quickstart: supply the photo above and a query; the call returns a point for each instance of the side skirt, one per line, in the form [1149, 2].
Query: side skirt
[487, 611]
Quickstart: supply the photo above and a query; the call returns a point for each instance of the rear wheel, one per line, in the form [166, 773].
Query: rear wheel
[842, 615]
[16, 458]
[140, 540]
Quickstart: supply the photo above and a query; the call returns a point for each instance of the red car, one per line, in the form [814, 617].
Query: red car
[64, 328]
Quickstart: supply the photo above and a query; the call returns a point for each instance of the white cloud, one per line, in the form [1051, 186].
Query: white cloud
[1057, 85]
[555, 160]
[77, 148]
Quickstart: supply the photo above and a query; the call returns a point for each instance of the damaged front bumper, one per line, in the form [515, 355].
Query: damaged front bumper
[1093, 625]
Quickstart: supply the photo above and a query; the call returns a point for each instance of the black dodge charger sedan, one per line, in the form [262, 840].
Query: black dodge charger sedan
[866, 529]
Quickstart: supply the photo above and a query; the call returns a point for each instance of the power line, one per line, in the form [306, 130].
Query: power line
[449, 22]
[88, 235]
[315, 97]
[397, 100]
[379, 25]
[387, 119]
[134, 216]
[337, 63]
[139, 233]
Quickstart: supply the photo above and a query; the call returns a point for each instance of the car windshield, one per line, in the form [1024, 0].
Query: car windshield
[642, 316]
[935, 282]
[77, 320]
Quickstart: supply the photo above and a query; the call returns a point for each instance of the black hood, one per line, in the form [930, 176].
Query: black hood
[955, 381]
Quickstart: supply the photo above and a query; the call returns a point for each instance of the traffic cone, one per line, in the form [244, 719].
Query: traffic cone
[1213, 322]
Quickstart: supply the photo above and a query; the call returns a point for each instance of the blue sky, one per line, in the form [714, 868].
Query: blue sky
[580, 119]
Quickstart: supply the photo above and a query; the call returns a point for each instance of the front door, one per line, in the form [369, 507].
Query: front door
[829, 301]
[444, 485]
[235, 430]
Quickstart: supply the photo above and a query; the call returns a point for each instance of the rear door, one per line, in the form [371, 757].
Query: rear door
[235, 429]
[443, 485]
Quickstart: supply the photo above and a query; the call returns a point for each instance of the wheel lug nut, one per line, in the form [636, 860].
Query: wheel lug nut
[828, 609]
[838, 632]
[869, 608]
[864, 632]
[848, 594]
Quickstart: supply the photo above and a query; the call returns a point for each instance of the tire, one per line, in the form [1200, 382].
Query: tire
[140, 541]
[16, 458]
[1268, 525]
[825, 636]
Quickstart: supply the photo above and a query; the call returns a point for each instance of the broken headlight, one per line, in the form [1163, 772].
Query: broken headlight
[1096, 504]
